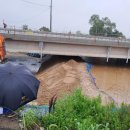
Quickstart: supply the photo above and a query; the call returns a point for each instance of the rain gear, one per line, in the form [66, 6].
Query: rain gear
[2, 48]
[18, 86]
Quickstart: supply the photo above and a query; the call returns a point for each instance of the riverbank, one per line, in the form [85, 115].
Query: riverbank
[60, 76]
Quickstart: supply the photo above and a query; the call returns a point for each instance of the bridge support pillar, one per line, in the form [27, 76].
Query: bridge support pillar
[128, 55]
[41, 46]
[108, 53]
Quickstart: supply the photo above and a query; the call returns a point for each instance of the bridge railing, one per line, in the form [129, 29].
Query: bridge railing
[62, 35]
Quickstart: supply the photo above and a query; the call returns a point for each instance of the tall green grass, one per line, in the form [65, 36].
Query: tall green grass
[30, 120]
[78, 112]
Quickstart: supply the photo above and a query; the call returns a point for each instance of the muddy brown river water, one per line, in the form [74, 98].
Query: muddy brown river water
[114, 79]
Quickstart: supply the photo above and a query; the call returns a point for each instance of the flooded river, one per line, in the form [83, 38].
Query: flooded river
[113, 78]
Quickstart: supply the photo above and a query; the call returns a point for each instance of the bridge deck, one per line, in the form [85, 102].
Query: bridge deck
[66, 44]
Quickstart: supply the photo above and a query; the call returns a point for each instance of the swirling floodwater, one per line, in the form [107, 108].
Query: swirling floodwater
[113, 78]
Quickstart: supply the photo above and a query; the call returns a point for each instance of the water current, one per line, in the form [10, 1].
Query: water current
[112, 77]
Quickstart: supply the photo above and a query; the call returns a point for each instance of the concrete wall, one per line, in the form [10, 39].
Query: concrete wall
[69, 49]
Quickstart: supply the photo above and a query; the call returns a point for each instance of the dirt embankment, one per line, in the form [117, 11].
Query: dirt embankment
[64, 77]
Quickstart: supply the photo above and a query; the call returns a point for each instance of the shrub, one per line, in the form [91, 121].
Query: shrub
[78, 112]
[75, 108]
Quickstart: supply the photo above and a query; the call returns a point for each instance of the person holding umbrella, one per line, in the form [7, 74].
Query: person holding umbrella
[18, 86]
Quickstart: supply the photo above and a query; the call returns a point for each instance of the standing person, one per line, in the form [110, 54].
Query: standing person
[4, 24]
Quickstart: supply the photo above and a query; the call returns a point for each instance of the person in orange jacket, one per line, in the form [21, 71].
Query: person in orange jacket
[2, 48]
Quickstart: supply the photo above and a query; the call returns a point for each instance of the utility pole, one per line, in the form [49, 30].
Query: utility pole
[51, 16]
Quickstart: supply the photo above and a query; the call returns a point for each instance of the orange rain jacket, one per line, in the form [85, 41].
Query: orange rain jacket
[2, 49]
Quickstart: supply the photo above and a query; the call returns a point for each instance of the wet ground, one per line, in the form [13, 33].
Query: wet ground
[9, 123]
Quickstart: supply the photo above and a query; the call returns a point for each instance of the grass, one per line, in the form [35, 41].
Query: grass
[78, 112]
[30, 120]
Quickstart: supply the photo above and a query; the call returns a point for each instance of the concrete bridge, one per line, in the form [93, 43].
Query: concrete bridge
[65, 44]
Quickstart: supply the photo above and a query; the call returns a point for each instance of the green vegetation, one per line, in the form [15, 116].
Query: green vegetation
[30, 120]
[44, 29]
[25, 27]
[78, 112]
[103, 27]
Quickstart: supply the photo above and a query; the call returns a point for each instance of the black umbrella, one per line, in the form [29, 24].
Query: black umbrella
[18, 86]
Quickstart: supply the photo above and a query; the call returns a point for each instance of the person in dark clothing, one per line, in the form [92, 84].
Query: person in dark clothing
[5, 25]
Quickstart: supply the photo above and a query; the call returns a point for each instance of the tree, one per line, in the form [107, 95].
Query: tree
[25, 27]
[44, 29]
[103, 27]
[109, 27]
[78, 33]
[97, 25]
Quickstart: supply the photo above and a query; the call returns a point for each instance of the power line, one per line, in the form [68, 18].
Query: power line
[33, 17]
[43, 5]
[29, 2]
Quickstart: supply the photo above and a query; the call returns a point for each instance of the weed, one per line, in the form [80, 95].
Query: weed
[29, 120]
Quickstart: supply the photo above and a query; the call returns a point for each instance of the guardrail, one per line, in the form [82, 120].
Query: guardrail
[62, 35]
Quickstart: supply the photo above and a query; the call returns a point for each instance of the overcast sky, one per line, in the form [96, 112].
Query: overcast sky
[68, 15]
